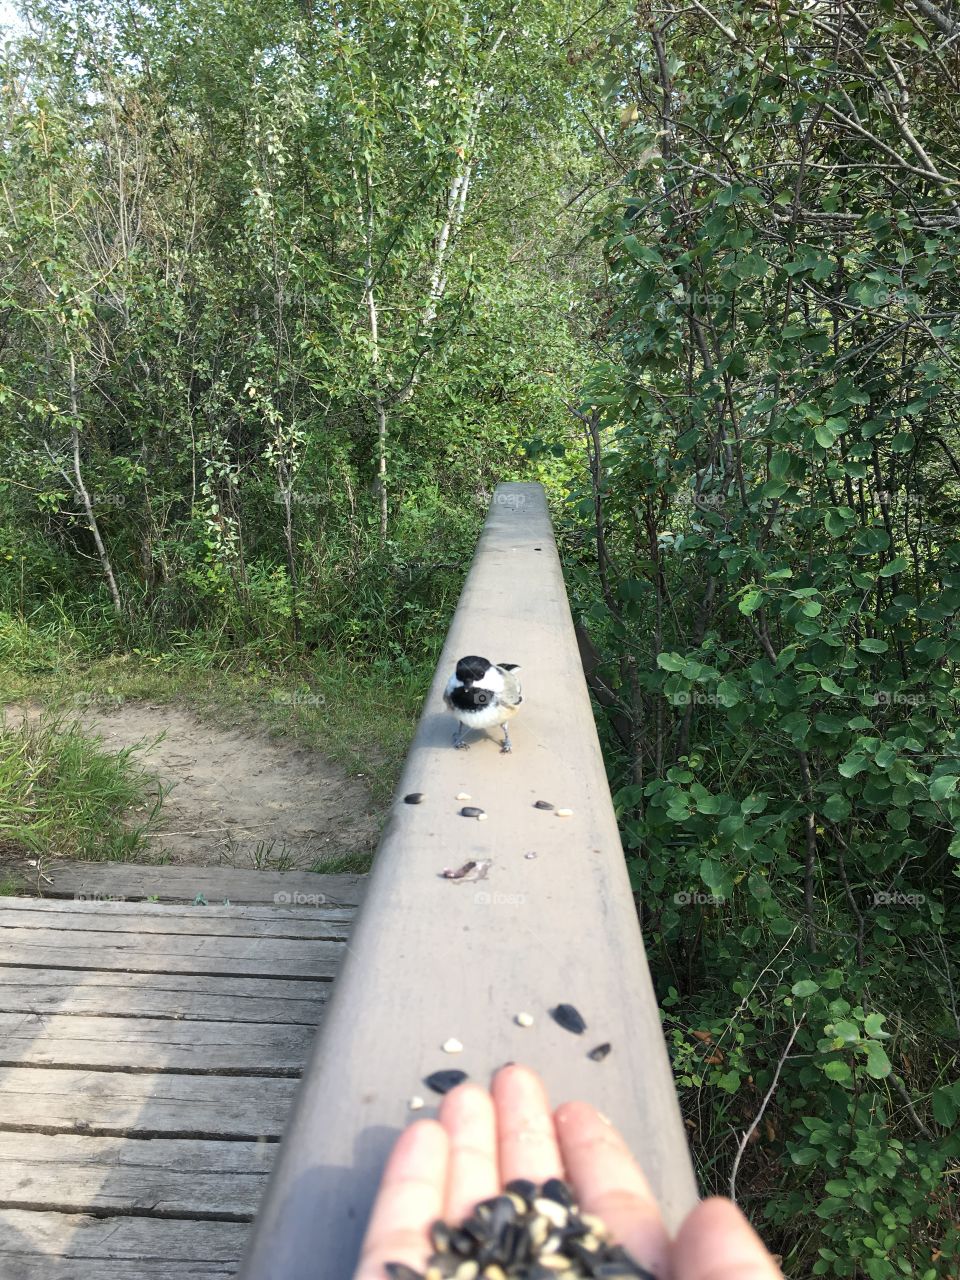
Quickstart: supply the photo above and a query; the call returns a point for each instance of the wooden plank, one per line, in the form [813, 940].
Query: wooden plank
[153, 1044]
[149, 917]
[57, 1246]
[147, 995]
[159, 1177]
[159, 953]
[141, 1104]
[182, 884]
[432, 958]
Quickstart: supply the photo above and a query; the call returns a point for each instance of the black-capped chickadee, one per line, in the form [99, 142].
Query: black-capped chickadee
[482, 694]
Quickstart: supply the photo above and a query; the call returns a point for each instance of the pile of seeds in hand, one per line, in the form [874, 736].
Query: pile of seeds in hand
[527, 1233]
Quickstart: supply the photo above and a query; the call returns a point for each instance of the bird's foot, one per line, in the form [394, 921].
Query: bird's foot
[505, 749]
[460, 745]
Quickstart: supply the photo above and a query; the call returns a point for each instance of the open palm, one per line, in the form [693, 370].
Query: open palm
[442, 1168]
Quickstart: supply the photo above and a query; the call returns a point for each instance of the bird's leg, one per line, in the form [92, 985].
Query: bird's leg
[506, 747]
[458, 737]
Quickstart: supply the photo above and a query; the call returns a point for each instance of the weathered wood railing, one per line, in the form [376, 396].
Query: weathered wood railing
[432, 958]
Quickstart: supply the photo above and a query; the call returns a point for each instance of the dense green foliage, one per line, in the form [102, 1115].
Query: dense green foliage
[775, 478]
[260, 343]
[287, 289]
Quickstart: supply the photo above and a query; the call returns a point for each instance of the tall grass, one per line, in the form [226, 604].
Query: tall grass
[61, 793]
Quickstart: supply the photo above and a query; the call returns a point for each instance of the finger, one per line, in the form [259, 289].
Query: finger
[525, 1133]
[716, 1242]
[468, 1116]
[607, 1181]
[409, 1200]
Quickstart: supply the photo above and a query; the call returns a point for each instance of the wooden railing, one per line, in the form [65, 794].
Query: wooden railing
[432, 959]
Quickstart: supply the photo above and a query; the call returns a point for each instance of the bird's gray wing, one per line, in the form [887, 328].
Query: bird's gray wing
[510, 695]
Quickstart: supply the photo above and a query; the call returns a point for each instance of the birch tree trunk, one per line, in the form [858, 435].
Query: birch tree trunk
[82, 493]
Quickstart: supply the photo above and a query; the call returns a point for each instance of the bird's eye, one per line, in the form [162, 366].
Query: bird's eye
[481, 697]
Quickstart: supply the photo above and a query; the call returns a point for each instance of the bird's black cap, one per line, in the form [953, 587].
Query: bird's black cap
[472, 668]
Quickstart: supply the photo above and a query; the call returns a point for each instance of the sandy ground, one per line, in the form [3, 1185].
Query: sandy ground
[236, 799]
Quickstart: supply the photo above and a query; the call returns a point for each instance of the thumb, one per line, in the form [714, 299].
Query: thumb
[716, 1242]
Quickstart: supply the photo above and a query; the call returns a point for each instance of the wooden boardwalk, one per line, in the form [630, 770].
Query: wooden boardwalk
[149, 1054]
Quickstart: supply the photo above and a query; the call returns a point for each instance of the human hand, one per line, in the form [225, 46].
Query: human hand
[442, 1168]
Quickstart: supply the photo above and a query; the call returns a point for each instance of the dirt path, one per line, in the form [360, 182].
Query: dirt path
[239, 799]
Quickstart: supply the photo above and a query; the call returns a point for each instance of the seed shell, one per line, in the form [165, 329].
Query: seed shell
[444, 1081]
[543, 804]
[415, 797]
[600, 1052]
[566, 1016]
[470, 811]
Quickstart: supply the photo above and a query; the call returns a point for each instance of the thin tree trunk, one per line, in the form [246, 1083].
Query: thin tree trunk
[82, 490]
[379, 406]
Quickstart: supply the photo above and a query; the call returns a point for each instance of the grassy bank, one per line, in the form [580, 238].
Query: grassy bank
[62, 793]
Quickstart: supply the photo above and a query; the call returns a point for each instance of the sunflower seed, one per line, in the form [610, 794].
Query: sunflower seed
[415, 797]
[528, 856]
[464, 795]
[523, 1187]
[554, 1189]
[452, 1046]
[470, 811]
[416, 1103]
[444, 1081]
[543, 804]
[552, 1211]
[564, 813]
[468, 1270]
[400, 1271]
[440, 1237]
[566, 1016]
[600, 1052]
[524, 1020]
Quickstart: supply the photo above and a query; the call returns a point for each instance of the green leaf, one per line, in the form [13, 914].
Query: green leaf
[804, 988]
[873, 1025]
[873, 646]
[896, 565]
[944, 1106]
[837, 1069]
[824, 436]
[751, 602]
[878, 1064]
[836, 807]
[943, 786]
